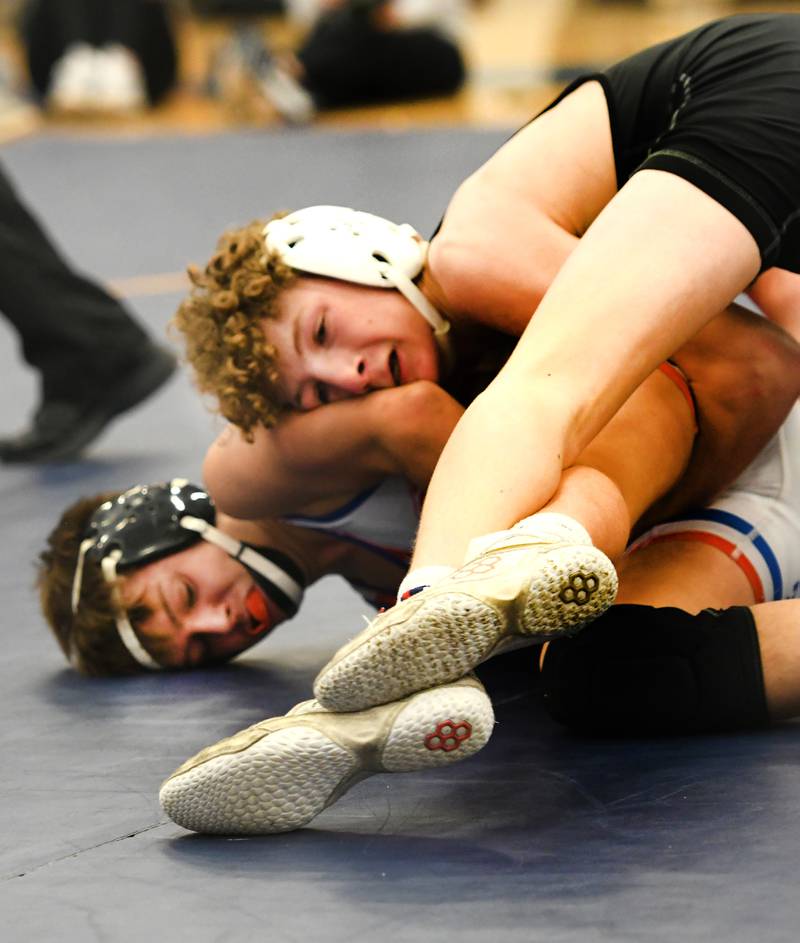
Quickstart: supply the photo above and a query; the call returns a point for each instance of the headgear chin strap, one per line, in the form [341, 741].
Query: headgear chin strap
[149, 522]
[343, 243]
[273, 574]
[127, 634]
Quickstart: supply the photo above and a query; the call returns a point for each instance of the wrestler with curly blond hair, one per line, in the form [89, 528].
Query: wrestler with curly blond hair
[220, 321]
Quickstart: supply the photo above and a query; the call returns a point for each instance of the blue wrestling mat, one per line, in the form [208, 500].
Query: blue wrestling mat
[542, 836]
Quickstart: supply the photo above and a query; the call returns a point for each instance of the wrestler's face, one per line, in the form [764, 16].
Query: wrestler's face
[336, 340]
[204, 606]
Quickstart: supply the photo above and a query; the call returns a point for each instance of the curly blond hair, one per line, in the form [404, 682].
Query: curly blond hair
[220, 323]
[89, 637]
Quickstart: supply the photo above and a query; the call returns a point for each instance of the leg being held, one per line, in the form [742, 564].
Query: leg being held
[548, 575]
[541, 579]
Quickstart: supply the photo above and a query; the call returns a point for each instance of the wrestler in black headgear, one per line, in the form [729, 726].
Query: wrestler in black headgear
[148, 522]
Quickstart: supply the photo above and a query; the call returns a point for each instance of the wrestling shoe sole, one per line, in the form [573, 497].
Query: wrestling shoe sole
[500, 600]
[279, 774]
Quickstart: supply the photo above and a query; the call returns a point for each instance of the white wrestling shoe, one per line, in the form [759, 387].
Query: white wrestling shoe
[277, 775]
[73, 85]
[523, 586]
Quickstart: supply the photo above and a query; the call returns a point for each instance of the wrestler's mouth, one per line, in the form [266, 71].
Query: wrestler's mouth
[394, 368]
[257, 611]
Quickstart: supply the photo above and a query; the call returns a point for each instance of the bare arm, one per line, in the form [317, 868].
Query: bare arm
[314, 458]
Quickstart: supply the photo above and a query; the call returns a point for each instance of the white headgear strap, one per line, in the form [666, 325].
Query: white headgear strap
[246, 555]
[127, 634]
[77, 579]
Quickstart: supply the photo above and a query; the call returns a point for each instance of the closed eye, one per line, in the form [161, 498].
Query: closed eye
[191, 595]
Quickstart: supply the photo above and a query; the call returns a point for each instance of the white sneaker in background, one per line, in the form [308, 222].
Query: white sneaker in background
[119, 80]
[72, 81]
[304, 12]
[289, 98]
[273, 80]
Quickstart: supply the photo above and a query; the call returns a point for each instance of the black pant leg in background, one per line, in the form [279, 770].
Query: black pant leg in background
[144, 26]
[49, 27]
[349, 62]
[71, 330]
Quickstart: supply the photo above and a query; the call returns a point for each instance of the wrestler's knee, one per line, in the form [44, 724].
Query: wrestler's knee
[642, 670]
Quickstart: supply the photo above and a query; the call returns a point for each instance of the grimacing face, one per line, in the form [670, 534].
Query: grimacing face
[204, 603]
[336, 340]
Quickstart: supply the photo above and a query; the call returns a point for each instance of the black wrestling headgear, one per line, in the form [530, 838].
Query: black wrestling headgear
[148, 522]
[144, 523]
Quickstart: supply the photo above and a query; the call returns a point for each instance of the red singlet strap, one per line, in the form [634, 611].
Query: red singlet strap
[679, 379]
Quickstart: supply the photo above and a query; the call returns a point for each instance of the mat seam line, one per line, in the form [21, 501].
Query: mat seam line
[75, 854]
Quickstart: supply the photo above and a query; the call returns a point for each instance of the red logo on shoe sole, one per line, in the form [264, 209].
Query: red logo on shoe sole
[448, 735]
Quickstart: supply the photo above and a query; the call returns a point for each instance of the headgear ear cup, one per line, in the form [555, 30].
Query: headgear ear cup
[348, 244]
[339, 242]
[144, 522]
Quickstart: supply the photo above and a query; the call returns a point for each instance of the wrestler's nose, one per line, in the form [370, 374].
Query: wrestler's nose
[210, 619]
[348, 376]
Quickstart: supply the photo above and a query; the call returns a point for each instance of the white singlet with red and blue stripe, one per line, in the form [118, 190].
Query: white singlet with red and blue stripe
[382, 518]
[756, 521]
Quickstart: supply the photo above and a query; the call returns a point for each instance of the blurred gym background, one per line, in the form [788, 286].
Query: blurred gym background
[516, 53]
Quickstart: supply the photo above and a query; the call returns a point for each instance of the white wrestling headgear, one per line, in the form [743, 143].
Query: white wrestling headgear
[343, 243]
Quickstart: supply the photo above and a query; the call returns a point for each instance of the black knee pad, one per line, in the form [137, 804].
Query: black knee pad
[642, 670]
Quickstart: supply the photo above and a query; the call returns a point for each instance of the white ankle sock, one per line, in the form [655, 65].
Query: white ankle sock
[561, 526]
[541, 524]
[421, 577]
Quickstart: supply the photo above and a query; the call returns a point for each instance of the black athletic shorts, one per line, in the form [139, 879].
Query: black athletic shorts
[720, 107]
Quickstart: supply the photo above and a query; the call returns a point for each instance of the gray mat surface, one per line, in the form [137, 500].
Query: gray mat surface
[540, 837]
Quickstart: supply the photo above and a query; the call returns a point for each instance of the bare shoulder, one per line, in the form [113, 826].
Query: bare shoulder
[510, 225]
[233, 472]
[562, 162]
